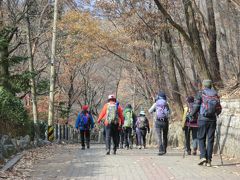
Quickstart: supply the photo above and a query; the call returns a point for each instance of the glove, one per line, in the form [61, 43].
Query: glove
[189, 118]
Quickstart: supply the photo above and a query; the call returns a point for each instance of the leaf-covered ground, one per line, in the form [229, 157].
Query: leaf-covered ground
[23, 168]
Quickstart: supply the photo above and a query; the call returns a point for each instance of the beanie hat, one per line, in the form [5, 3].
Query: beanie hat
[190, 99]
[207, 83]
[129, 106]
[111, 97]
[162, 95]
[142, 113]
[85, 108]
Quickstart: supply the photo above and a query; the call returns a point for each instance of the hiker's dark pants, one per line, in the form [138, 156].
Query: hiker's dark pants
[111, 131]
[206, 131]
[141, 134]
[120, 138]
[188, 132]
[85, 134]
[161, 127]
[136, 137]
[128, 136]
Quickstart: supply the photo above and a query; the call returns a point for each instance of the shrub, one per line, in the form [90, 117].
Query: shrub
[13, 116]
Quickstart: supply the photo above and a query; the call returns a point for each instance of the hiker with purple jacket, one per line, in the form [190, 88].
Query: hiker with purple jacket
[190, 125]
[162, 112]
[142, 128]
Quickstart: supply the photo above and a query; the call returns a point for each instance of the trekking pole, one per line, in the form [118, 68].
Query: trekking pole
[218, 142]
[185, 145]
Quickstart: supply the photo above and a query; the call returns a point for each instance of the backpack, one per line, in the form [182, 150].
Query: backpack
[85, 121]
[161, 109]
[142, 122]
[128, 118]
[210, 106]
[112, 113]
[194, 118]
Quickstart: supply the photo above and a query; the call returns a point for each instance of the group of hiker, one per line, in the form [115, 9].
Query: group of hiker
[120, 125]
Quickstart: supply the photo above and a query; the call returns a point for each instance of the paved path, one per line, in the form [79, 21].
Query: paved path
[70, 162]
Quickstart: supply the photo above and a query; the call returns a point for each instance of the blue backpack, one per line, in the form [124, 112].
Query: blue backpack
[210, 106]
[85, 121]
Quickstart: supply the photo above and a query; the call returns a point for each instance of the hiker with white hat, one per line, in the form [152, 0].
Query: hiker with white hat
[142, 127]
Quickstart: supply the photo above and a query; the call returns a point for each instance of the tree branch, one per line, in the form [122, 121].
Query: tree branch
[173, 23]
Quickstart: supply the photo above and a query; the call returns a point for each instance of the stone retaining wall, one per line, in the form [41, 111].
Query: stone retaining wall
[229, 128]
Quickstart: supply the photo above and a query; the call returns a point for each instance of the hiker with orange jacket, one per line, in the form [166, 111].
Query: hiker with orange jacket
[112, 115]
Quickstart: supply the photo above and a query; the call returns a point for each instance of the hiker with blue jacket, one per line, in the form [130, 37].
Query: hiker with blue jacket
[84, 123]
[207, 104]
[162, 112]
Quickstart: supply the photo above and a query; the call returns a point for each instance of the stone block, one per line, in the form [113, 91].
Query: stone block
[5, 139]
[8, 150]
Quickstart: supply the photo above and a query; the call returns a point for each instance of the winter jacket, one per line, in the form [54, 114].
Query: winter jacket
[103, 114]
[146, 123]
[197, 106]
[79, 122]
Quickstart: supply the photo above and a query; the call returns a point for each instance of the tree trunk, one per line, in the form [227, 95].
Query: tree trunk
[4, 64]
[214, 62]
[32, 79]
[172, 73]
[156, 49]
[196, 46]
[52, 68]
[70, 96]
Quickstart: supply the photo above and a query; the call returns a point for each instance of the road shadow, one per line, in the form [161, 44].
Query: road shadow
[229, 164]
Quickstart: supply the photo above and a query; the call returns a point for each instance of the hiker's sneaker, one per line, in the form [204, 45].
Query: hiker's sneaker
[114, 152]
[139, 147]
[189, 152]
[88, 147]
[108, 153]
[202, 161]
[194, 152]
[208, 163]
[83, 148]
[161, 153]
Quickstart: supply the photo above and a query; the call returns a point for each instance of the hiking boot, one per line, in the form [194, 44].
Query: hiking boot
[88, 146]
[208, 163]
[194, 152]
[108, 153]
[202, 161]
[83, 147]
[189, 152]
[114, 152]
